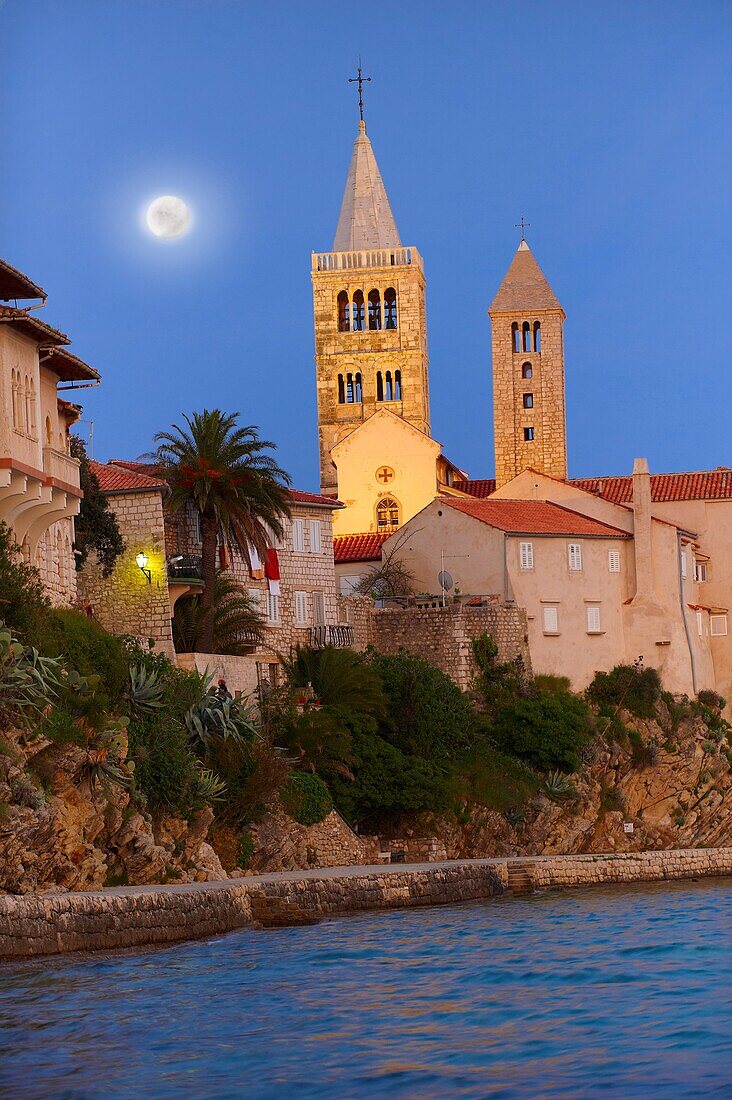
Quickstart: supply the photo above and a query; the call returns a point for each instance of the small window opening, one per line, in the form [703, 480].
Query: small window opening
[526, 334]
[379, 386]
[528, 434]
[358, 317]
[537, 336]
[397, 385]
[341, 390]
[528, 400]
[515, 337]
[344, 310]
[389, 390]
[527, 371]
[387, 514]
[374, 310]
[358, 394]
[390, 308]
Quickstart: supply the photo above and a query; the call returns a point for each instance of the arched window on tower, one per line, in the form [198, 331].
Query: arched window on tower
[349, 389]
[537, 336]
[390, 308]
[379, 386]
[358, 317]
[344, 319]
[374, 310]
[397, 385]
[357, 390]
[527, 371]
[515, 337]
[341, 390]
[526, 331]
[387, 514]
[389, 391]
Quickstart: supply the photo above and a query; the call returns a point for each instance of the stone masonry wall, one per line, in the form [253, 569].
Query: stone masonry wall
[125, 603]
[123, 917]
[443, 636]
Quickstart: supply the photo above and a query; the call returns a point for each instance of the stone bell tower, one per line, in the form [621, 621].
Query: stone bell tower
[370, 320]
[528, 373]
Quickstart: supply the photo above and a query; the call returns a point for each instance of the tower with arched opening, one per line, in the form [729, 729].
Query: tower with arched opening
[529, 421]
[370, 320]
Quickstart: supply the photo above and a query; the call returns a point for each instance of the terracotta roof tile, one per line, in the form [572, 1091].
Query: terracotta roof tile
[694, 485]
[14, 284]
[364, 547]
[533, 517]
[524, 287]
[482, 487]
[114, 478]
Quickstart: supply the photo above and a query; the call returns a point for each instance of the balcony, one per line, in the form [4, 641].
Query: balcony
[185, 567]
[61, 466]
[378, 257]
[340, 636]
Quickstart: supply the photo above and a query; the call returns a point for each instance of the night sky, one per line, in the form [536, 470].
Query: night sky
[608, 126]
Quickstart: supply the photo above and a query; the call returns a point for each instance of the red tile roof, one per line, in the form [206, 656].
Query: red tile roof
[296, 495]
[696, 485]
[533, 517]
[114, 478]
[14, 284]
[364, 547]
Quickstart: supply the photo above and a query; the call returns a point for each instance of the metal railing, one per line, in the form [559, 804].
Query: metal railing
[188, 567]
[377, 257]
[340, 636]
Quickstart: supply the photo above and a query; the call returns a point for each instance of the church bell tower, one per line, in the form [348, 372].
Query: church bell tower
[528, 373]
[369, 312]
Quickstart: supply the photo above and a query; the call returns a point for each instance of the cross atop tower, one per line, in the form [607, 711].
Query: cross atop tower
[360, 80]
[522, 225]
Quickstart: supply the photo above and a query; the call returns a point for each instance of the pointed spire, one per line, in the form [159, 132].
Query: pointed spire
[524, 286]
[366, 220]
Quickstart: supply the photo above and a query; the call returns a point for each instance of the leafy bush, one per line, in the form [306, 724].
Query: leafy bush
[636, 688]
[712, 700]
[28, 682]
[552, 685]
[306, 798]
[644, 754]
[96, 527]
[558, 787]
[492, 778]
[611, 799]
[428, 714]
[498, 683]
[244, 849]
[88, 649]
[23, 603]
[549, 732]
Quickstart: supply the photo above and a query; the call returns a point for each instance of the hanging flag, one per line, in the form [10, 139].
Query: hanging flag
[272, 571]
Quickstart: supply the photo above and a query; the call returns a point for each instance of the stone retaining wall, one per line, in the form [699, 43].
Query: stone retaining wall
[135, 916]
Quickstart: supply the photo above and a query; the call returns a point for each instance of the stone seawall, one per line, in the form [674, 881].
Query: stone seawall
[125, 917]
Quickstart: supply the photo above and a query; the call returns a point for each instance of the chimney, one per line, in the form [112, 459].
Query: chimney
[642, 528]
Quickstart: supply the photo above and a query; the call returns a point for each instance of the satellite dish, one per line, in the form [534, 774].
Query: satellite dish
[445, 580]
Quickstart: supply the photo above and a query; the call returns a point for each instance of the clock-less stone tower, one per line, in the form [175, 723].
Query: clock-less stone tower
[370, 320]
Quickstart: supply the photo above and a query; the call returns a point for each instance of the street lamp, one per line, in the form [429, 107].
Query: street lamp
[141, 560]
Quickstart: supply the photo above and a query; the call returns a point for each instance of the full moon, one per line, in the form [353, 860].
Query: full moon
[168, 216]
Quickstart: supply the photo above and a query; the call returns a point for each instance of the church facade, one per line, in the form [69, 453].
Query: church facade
[608, 569]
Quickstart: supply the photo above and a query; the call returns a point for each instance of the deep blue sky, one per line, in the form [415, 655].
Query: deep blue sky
[608, 125]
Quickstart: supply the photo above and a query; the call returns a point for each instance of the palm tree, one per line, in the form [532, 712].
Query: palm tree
[223, 471]
[340, 678]
[237, 624]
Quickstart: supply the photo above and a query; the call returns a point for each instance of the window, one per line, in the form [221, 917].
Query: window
[389, 394]
[273, 607]
[613, 561]
[593, 619]
[397, 385]
[255, 596]
[528, 435]
[574, 551]
[301, 608]
[526, 555]
[354, 395]
[298, 534]
[550, 614]
[344, 319]
[274, 674]
[379, 386]
[318, 609]
[527, 371]
[537, 336]
[316, 537]
[349, 584]
[528, 400]
[387, 514]
[700, 623]
[683, 563]
[358, 317]
[374, 310]
[701, 571]
[718, 625]
[390, 308]
[515, 337]
[526, 334]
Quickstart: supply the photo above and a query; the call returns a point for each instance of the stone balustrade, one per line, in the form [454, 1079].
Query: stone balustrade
[378, 257]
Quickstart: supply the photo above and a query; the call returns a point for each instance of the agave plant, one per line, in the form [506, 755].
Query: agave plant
[103, 764]
[210, 786]
[215, 717]
[28, 682]
[557, 786]
[145, 691]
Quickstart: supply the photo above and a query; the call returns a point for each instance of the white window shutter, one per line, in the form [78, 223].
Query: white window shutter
[526, 555]
[593, 619]
[700, 623]
[273, 607]
[613, 561]
[298, 534]
[718, 626]
[683, 563]
[318, 608]
[301, 607]
[551, 620]
[255, 595]
[575, 556]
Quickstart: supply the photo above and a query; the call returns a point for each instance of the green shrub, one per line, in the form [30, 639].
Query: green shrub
[88, 649]
[494, 779]
[633, 687]
[644, 755]
[23, 602]
[428, 714]
[549, 732]
[712, 700]
[552, 685]
[558, 787]
[244, 849]
[611, 799]
[306, 798]
[28, 682]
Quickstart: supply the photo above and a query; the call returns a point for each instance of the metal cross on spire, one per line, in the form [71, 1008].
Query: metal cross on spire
[360, 80]
[522, 225]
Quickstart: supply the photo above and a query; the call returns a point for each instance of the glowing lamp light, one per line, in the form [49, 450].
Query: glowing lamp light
[142, 560]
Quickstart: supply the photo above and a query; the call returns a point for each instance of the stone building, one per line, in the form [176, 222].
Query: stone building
[39, 478]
